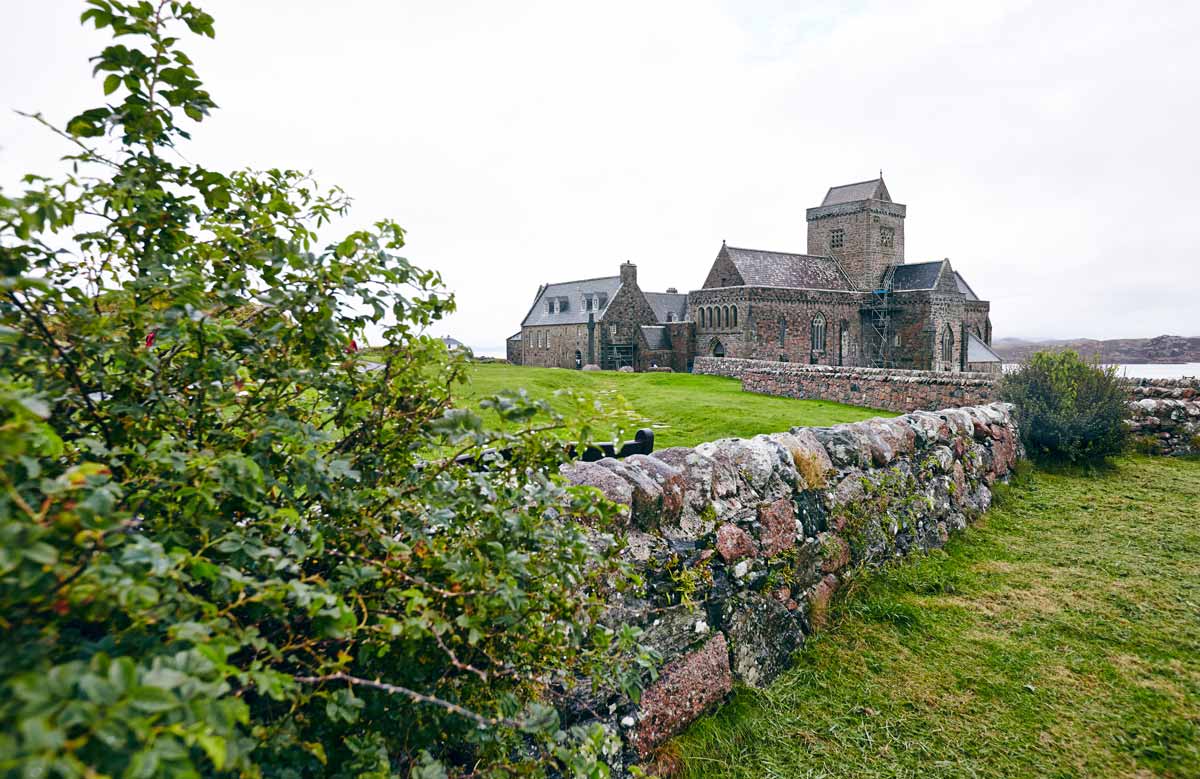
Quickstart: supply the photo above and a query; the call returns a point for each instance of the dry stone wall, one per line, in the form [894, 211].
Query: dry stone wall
[742, 543]
[894, 390]
[1166, 415]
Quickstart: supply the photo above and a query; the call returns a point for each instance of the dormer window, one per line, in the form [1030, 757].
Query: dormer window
[587, 303]
[603, 301]
[563, 304]
[887, 237]
[837, 238]
[550, 306]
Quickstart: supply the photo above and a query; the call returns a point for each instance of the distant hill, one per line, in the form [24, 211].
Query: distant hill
[1160, 349]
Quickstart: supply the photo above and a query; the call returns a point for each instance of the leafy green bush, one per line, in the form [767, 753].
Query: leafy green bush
[1069, 409]
[226, 546]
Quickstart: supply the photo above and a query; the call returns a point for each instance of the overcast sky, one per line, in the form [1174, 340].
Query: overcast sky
[1048, 149]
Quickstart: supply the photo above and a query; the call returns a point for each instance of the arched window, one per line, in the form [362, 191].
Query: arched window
[987, 331]
[725, 316]
[818, 333]
[712, 322]
[734, 309]
[700, 315]
[947, 344]
[843, 342]
[782, 331]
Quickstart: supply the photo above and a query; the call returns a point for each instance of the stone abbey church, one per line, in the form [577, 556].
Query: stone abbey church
[850, 300]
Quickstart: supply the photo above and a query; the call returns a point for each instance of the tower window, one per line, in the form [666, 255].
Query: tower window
[887, 237]
[837, 238]
[947, 344]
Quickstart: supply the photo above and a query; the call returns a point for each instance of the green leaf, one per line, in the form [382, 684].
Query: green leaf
[111, 83]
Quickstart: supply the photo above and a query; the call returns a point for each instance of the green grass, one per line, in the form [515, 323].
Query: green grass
[683, 409]
[1058, 637]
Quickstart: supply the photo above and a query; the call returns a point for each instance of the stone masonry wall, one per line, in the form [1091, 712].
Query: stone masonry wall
[894, 390]
[1166, 415]
[742, 543]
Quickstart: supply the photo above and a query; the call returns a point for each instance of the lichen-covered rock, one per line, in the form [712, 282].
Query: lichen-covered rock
[847, 447]
[777, 526]
[733, 543]
[835, 552]
[682, 692]
[613, 486]
[646, 497]
[763, 633]
[670, 482]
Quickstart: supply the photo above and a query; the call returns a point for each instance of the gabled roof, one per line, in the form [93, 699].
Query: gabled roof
[978, 351]
[667, 302]
[656, 337]
[917, 275]
[573, 292]
[964, 287]
[874, 189]
[795, 271]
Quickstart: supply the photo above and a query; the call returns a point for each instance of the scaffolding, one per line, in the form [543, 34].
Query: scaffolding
[877, 319]
[616, 356]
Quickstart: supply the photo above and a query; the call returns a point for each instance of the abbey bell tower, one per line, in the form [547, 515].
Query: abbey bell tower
[860, 226]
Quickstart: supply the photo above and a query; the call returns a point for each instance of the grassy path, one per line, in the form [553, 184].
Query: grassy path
[683, 409]
[1059, 637]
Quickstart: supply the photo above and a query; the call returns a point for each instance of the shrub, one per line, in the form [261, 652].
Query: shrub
[1068, 409]
[225, 546]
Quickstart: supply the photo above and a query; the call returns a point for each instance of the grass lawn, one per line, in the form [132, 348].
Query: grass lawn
[1058, 637]
[683, 409]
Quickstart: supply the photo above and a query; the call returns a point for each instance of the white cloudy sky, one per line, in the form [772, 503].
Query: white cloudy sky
[1048, 149]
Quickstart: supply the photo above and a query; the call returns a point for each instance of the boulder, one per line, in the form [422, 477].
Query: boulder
[733, 543]
[683, 691]
[777, 526]
[764, 634]
[613, 486]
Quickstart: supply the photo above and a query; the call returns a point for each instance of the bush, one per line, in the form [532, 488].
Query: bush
[228, 548]
[1069, 409]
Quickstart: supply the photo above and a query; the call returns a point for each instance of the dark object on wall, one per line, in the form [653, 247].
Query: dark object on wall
[642, 443]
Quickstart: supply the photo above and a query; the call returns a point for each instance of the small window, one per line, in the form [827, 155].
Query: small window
[564, 304]
[837, 238]
[947, 344]
[896, 340]
[670, 316]
[612, 332]
[887, 237]
[549, 306]
[782, 331]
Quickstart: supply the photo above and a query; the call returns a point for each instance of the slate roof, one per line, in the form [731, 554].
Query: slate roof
[918, 275]
[656, 337]
[964, 287]
[515, 337]
[664, 302]
[793, 271]
[573, 291]
[850, 193]
[978, 351]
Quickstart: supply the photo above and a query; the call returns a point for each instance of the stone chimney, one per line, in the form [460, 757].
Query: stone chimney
[628, 274]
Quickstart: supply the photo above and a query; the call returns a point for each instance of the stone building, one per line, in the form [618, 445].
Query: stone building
[850, 300]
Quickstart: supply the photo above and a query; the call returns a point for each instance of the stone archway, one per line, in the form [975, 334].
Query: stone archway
[718, 348]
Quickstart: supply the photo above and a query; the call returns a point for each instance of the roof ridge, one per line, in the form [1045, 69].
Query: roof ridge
[578, 281]
[856, 183]
[772, 251]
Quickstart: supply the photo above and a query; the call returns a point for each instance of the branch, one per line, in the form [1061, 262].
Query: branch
[416, 697]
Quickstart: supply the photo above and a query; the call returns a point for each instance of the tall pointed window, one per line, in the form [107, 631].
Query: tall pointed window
[734, 309]
[947, 344]
[818, 333]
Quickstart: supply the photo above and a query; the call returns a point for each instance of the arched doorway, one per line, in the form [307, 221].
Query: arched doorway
[718, 349]
[578, 359]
